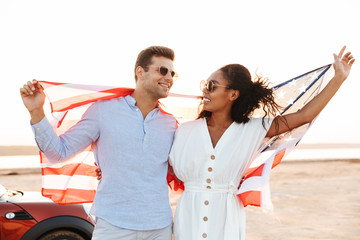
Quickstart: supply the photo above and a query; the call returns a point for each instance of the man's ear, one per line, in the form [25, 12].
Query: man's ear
[234, 94]
[139, 72]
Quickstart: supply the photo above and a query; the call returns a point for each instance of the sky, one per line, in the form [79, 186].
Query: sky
[97, 42]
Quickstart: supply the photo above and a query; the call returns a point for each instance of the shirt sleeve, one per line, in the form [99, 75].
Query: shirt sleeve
[172, 151]
[77, 138]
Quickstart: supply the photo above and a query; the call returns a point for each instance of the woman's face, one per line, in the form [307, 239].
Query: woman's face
[220, 98]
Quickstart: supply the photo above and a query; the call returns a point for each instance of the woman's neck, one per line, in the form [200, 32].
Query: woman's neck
[219, 121]
[217, 124]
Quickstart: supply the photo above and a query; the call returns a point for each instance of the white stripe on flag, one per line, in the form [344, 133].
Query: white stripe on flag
[258, 183]
[63, 182]
[60, 92]
[253, 184]
[262, 158]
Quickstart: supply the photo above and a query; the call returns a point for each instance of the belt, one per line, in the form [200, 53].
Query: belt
[229, 188]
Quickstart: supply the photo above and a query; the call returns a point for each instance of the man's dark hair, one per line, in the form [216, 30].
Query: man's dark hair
[144, 57]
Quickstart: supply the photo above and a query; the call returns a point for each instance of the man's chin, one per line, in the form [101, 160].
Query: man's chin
[163, 94]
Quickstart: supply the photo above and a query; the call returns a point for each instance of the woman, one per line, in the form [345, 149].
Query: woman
[211, 154]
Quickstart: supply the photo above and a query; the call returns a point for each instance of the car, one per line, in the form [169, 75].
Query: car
[29, 216]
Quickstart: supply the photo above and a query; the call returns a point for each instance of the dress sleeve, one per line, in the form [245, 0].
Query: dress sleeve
[259, 129]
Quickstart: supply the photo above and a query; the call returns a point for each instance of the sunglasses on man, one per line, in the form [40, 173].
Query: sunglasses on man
[210, 85]
[164, 70]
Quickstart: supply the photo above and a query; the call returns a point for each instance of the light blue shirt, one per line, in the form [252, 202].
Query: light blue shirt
[132, 153]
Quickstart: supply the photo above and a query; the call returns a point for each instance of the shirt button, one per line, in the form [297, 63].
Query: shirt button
[212, 157]
[210, 169]
[206, 202]
[205, 219]
[204, 235]
[208, 187]
[145, 139]
[208, 180]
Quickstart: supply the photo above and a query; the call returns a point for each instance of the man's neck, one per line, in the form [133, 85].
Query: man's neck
[144, 102]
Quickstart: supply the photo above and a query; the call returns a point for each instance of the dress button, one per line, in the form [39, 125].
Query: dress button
[212, 157]
[205, 219]
[208, 187]
[204, 235]
[208, 180]
[206, 202]
[210, 169]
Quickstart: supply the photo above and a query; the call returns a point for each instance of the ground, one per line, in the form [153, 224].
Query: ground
[312, 200]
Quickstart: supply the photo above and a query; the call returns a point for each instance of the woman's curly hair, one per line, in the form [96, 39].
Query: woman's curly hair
[253, 94]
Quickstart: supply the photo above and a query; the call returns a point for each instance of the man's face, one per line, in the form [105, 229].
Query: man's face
[154, 81]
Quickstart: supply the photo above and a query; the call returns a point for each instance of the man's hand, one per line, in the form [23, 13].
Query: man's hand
[33, 98]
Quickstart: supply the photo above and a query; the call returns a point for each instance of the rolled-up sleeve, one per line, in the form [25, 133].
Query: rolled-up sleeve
[60, 148]
[43, 133]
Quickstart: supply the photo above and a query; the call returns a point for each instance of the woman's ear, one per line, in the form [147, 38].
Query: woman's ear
[234, 94]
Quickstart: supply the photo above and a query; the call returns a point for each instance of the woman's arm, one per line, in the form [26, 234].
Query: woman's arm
[342, 66]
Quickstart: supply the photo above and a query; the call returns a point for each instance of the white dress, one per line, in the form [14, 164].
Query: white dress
[209, 208]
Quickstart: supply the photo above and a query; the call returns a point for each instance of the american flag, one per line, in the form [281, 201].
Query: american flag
[292, 95]
[75, 181]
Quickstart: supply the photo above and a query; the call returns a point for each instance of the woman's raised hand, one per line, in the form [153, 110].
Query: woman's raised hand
[343, 63]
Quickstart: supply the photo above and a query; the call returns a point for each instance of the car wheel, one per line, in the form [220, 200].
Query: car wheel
[62, 235]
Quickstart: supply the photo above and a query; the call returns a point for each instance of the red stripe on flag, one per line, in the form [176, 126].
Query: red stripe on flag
[71, 169]
[278, 158]
[253, 172]
[69, 196]
[176, 184]
[250, 198]
[46, 84]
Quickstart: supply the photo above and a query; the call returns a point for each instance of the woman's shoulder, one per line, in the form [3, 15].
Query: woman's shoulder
[256, 122]
[190, 125]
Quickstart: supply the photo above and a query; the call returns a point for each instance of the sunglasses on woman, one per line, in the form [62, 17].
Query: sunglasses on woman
[210, 86]
[164, 70]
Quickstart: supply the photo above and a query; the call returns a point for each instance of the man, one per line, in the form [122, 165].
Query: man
[131, 140]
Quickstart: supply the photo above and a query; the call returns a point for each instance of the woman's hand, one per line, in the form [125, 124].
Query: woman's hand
[98, 172]
[343, 64]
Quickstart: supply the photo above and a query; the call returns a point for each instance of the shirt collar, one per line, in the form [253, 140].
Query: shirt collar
[131, 102]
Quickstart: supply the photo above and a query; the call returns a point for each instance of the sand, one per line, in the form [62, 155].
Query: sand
[312, 200]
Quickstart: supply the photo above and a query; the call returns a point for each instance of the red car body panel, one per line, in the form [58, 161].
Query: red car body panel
[11, 229]
[42, 211]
